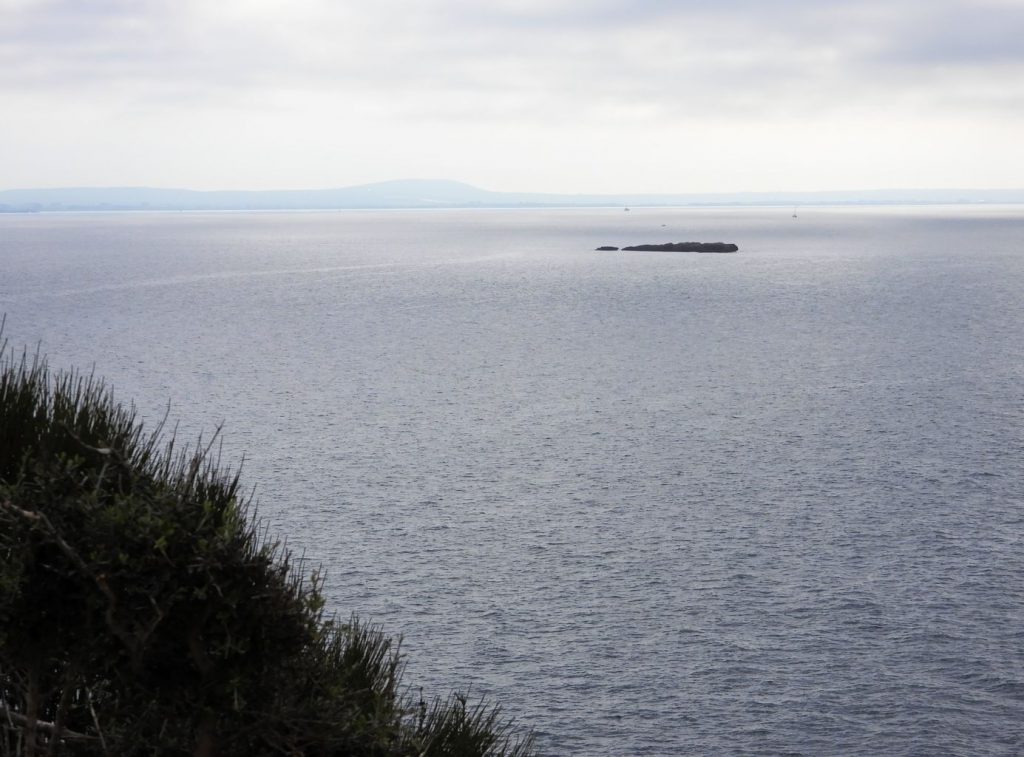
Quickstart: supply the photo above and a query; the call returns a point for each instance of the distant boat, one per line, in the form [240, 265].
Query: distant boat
[625, 208]
[794, 212]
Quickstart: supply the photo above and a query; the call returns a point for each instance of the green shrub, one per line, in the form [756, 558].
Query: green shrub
[142, 612]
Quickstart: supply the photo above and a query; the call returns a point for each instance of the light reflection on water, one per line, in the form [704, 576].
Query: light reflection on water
[651, 502]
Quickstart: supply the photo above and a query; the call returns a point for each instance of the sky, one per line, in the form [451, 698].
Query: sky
[662, 96]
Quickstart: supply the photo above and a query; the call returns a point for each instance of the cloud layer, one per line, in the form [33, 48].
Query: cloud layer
[239, 90]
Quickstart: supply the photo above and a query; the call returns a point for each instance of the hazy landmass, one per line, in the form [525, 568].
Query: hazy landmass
[451, 194]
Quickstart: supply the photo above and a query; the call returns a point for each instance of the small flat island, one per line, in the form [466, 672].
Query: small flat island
[679, 247]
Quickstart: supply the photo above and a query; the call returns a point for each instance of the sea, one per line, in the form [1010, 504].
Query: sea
[651, 503]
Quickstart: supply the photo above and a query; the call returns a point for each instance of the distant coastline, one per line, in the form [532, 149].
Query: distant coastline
[418, 194]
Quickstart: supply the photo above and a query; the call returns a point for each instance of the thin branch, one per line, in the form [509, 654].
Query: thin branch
[125, 636]
[16, 718]
[96, 720]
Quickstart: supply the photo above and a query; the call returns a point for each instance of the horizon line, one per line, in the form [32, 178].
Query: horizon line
[475, 187]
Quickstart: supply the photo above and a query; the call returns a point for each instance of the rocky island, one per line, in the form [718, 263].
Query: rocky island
[680, 247]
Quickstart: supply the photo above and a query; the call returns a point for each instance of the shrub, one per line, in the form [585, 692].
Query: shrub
[142, 610]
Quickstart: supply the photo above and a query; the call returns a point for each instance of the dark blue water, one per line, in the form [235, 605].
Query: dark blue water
[654, 503]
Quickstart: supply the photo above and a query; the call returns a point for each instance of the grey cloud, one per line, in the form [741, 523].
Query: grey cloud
[109, 44]
[950, 31]
[668, 55]
[973, 35]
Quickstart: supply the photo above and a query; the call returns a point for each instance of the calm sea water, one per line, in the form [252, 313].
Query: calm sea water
[653, 503]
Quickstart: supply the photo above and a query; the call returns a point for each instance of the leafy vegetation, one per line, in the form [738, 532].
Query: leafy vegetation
[143, 612]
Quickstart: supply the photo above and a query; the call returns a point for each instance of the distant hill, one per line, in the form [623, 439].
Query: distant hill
[423, 193]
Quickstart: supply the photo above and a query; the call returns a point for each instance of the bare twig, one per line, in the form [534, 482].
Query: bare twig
[17, 719]
[132, 643]
[96, 720]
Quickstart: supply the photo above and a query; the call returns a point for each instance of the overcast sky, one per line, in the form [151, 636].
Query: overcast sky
[544, 95]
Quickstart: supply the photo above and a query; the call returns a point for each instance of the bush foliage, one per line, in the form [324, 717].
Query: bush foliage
[143, 612]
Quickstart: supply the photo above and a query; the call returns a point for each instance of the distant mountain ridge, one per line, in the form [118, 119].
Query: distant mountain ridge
[425, 193]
